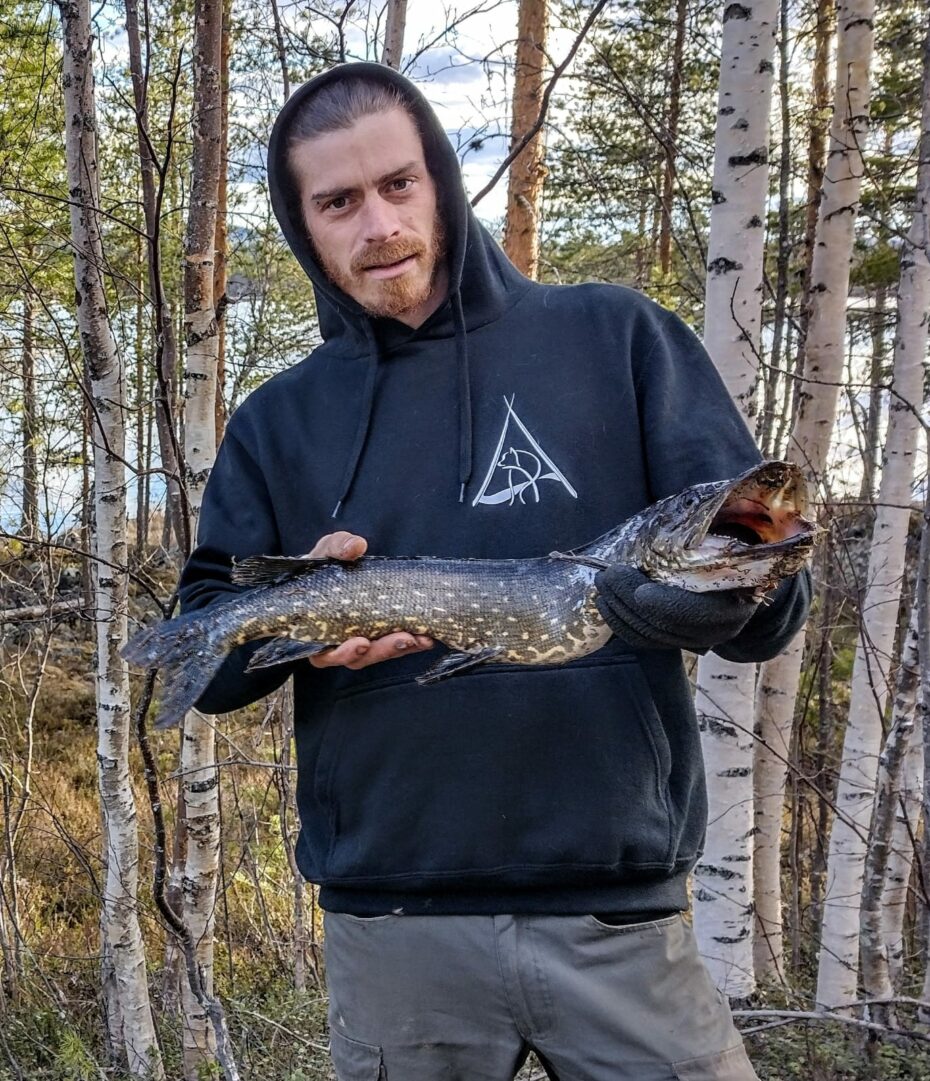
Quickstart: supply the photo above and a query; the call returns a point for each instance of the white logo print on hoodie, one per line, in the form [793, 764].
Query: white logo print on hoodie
[519, 468]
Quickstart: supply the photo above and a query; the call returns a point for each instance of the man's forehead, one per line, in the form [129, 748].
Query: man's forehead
[374, 146]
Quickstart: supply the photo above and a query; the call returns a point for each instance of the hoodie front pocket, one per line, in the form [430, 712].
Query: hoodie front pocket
[535, 774]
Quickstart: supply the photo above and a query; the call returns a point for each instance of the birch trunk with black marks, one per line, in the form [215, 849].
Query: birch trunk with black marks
[166, 345]
[732, 332]
[527, 172]
[200, 785]
[839, 941]
[923, 725]
[395, 25]
[877, 980]
[904, 839]
[108, 396]
[823, 365]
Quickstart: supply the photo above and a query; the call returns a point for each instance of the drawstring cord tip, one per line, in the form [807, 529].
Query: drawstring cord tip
[462, 493]
[336, 509]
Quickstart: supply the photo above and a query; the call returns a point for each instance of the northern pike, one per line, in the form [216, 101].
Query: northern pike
[745, 533]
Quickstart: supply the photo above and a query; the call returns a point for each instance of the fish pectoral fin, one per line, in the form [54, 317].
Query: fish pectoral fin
[451, 664]
[584, 561]
[281, 650]
[269, 570]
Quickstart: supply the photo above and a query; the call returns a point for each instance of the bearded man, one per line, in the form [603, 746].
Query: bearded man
[502, 857]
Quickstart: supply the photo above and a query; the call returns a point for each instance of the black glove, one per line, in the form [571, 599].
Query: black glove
[650, 615]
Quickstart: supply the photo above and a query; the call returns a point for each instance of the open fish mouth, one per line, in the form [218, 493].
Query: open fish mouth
[764, 509]
[754, 527]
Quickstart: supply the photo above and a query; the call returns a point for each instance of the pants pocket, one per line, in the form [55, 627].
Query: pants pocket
[355, 1061]
[730, 1065]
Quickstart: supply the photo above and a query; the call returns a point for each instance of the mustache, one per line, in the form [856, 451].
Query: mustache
[391, 251]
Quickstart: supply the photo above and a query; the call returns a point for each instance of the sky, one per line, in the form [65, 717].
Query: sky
[470, 97]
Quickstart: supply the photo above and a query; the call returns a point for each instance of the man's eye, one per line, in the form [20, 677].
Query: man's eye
[401, 184]
[338, 203]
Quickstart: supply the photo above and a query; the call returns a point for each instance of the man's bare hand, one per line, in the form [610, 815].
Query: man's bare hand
[361, 652]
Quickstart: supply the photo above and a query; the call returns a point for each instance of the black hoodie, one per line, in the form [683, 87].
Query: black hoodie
[518, 419]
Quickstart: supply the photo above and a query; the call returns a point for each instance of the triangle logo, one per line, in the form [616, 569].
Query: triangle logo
[518, 466]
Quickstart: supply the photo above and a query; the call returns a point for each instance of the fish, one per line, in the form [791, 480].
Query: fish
[747, 533]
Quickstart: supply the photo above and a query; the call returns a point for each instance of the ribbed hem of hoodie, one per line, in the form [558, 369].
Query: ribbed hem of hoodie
[665, 894]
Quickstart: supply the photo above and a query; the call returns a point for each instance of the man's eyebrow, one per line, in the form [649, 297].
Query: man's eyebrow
[335, 193]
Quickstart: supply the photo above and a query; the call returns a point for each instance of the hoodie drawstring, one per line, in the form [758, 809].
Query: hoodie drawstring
[461, 357]
[364, 420]
[368, 398]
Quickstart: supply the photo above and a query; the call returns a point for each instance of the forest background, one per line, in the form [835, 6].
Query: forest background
[761, 168]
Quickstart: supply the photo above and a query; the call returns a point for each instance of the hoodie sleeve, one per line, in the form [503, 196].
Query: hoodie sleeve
[236, 520]
[693, 432]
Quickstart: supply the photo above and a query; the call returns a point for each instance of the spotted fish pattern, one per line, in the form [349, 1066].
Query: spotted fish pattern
[748, 532]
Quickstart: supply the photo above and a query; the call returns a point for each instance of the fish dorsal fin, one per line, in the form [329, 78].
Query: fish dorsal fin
[270, 570]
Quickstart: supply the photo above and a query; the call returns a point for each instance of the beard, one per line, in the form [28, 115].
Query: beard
[391, 297]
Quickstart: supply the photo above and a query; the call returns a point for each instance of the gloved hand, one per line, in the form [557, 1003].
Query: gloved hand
[649, 615]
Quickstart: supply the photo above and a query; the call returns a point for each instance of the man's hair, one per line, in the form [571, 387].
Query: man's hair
[340, 104]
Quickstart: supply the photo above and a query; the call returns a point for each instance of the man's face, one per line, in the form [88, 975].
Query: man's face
[371, 210]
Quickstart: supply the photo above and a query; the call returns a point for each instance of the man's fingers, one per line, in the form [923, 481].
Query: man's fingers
[350, 650]
[340, 545]
[358, 653]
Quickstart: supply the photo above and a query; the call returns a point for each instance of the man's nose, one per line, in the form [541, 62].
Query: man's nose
[381, 220]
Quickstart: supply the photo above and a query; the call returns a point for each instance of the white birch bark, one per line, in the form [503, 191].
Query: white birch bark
[108, 392]
[810, 437]
[923, 725]
[908, 811]
[198, 747]
[837, 970]
[732, 321]
[876, 969]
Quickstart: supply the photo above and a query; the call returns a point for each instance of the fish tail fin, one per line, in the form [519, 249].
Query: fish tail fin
[187, 648]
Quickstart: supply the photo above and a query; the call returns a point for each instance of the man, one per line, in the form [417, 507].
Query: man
[503, 856]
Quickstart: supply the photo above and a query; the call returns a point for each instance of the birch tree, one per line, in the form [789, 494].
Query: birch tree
[395, 24]
[108, 400]
[809, 441]
[198, 745]
[838, 968]
[525, 179]
[732, 322]
[877, 974]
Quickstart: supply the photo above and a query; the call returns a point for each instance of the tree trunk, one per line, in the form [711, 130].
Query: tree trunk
[870, 441]
[166, 349]
[837, 972]
[394, 28]
[527, 172]
[670, 143]
[907, 814]
[816, 148]
[222, 226]
[823, 362]
[30, 427]
[732, 332]
[773, 376]
[108, 390]
[200, 777]
[876, 971]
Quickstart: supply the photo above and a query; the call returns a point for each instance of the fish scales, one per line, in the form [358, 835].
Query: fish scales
[748, 532]
[534, 610]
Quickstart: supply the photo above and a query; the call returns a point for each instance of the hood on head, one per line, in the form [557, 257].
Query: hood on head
[478, 270]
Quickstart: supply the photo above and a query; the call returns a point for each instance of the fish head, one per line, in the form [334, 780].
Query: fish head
[744, 533]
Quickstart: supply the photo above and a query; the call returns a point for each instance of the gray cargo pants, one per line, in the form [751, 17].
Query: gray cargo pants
[464, 998]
